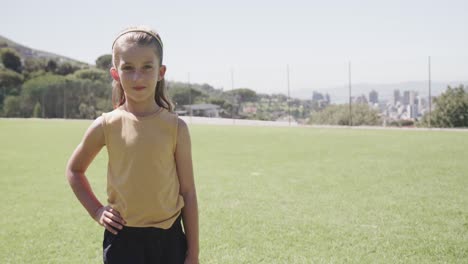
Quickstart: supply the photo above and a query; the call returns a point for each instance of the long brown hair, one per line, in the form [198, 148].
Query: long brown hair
[142, 36]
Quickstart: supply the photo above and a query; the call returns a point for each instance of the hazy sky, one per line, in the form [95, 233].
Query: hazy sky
[386, 41]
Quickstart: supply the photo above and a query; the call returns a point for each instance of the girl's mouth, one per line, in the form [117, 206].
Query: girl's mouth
[138, 88]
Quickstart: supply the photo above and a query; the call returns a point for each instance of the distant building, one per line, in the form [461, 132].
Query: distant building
[401, 109]
[317, 96]
[320, 100]
[249, 109]
[406, 98]
[412, 111]
[422, 102]
[206, 110]
[374, 97]
[396, 96]
[412, 98]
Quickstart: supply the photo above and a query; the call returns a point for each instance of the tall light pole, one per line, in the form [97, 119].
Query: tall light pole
[289, 96]
[234, 98]
[43, 105]
[350, 101]
[190, 96]
[430, 97]
[64, 103]
[67, 84]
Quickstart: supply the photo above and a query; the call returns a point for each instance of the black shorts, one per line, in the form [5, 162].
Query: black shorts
[141, 245]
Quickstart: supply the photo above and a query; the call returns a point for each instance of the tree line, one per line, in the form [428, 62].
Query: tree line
[48, 88]
[451, 109]
[37, 87]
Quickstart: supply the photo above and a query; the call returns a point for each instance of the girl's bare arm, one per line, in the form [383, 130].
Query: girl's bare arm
[183, 155]
[84, 154]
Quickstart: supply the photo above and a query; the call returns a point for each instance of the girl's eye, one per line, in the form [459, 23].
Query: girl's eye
[127, 68]
[148, 67]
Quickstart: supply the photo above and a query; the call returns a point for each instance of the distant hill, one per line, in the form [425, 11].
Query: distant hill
[338, 94]
[26, 52]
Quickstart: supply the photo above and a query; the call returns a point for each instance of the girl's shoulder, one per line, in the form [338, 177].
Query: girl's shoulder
[119, 117]
[168, 115]
[112, 116]
[115, 112]
[162, 116]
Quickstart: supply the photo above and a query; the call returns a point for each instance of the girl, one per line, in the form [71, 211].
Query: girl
[150, 183]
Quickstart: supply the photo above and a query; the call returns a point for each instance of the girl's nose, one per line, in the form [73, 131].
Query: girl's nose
[136, 75]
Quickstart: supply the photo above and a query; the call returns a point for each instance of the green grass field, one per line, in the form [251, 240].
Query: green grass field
[266, 195]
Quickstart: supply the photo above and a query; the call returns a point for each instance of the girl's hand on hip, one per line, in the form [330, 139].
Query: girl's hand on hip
[110, 219]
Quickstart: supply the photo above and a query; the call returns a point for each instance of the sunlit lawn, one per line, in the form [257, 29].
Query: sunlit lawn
[266, 195]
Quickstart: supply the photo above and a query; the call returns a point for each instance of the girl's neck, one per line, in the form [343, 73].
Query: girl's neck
[141, 109]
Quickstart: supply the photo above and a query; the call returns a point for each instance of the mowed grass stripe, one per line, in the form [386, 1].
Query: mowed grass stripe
[266, 195]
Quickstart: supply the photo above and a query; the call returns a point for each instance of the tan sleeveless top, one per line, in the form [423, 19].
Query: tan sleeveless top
[142, 181]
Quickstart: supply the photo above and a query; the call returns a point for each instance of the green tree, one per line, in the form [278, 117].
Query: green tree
[451, 109]
[85, 92]
[9, 78]
[10, 83]
[237, 97]
[34, 74]
[244, 95]
[48, 91]
[66, 68]
[37, 112]
[362, 114]
[184, 96]
[86, 111]
[218, 101]
[51, 66]
[279, 97]
[12, 106]
[11, 60]
[226, 106]
[104, 62]
[94, 75]
[33, 67]
[103, 105]
[68, 96]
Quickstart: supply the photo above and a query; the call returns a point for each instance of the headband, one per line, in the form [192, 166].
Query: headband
[154, 35]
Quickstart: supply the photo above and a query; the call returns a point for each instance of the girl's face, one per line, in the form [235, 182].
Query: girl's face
[138, 71]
